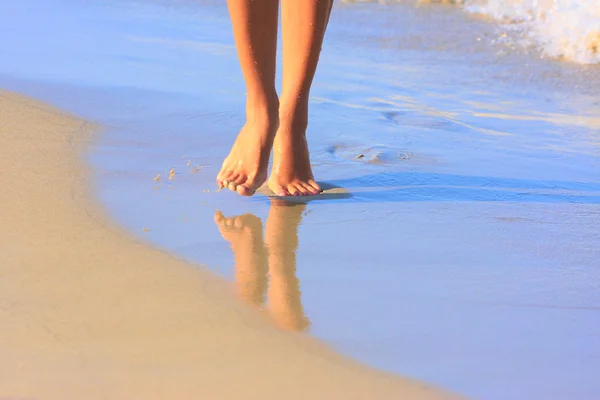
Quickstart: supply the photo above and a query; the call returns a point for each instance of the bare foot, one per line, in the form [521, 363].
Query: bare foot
[291, 174]
[245, 168]
[245, 235]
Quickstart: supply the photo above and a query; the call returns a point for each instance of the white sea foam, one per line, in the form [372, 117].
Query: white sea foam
[568, 29]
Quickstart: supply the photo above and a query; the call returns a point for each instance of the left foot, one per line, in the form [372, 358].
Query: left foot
[291, 174]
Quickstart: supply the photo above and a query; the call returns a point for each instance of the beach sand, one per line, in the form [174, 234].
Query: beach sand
[86, 312]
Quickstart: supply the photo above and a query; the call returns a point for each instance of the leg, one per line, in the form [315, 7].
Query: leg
[304, 23]
[281, 239]
[255, 31]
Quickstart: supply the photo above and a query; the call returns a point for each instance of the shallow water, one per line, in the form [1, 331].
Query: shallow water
[466, 252]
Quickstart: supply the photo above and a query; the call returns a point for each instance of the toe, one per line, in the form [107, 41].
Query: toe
[309, 189]
[223, 175]
[233, 181]
[293, 190]
[278, 190]
[238, 222]
[229, 222]
[248, 187]
[244, 190]
[315, 186]
[224, 180]
[219, 217]
[232, 185]
[302, 189]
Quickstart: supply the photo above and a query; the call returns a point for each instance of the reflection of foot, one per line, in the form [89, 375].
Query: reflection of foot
[244, 233]
[291, 173]
[285, 303]
[245, 168]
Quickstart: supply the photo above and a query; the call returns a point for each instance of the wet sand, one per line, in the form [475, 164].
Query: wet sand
[87, 312]
[463, 251]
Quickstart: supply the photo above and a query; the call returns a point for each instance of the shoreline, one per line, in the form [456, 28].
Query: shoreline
[86, 311]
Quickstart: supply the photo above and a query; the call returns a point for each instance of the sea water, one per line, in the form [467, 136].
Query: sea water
[568, 29]
[466, 255]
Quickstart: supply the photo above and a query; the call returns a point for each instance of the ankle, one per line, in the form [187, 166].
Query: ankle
[262, 109]
[293, 117]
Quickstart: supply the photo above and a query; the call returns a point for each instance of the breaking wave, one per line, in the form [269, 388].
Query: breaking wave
[565, 29]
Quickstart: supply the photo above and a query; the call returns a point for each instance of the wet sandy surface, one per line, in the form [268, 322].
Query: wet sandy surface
[465, 253]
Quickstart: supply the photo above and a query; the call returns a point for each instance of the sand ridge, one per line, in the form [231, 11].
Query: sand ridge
[86, 312]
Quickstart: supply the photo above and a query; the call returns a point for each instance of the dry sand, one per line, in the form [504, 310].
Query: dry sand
[86, 312]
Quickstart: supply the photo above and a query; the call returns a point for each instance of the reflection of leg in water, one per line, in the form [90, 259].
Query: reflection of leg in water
[244, 233]
[284, 289]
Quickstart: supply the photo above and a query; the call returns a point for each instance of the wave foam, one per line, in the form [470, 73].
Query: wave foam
[568, 29]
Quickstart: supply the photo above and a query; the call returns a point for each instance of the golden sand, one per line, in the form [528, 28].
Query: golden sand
[86, 312]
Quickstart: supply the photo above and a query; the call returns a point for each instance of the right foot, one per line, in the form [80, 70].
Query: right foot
[245, 168]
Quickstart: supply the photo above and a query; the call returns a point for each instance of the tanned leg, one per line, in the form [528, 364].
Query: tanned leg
[255, 31]
[303, 23]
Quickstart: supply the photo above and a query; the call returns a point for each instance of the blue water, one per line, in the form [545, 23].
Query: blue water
[466, 254]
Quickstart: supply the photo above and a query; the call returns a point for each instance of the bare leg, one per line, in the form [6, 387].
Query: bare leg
[281, 239]
[255, 31]
[244, 234]
[303, 23]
